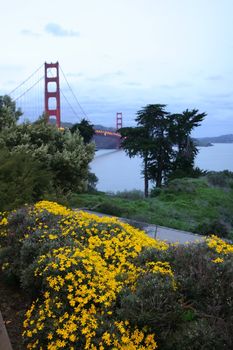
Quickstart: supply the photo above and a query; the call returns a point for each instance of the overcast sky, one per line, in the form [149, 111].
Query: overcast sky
[119, 55]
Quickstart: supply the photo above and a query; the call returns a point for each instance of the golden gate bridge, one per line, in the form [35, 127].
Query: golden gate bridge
[28, 97]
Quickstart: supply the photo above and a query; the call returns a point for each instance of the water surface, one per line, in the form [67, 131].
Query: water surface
[117, 172]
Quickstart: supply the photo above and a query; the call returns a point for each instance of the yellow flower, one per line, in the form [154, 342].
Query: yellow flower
[217, 260]
[81, 280]
[3, 222]
[219, 246]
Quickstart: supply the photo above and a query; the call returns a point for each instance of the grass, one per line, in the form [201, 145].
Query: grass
[186, 204]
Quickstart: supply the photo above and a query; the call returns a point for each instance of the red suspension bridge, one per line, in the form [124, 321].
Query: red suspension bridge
[41, 93]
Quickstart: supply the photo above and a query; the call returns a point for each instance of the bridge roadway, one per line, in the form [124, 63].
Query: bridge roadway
[167, 234]
[107, 133]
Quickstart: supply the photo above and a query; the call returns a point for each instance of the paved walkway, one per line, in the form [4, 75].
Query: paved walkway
[4, 339]
[160, 232]
[171, 235]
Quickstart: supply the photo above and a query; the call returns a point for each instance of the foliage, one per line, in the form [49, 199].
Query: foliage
[198, 312]
[110, 208]
[100, 284]
[185, 185]
[74, 264]
[192, 172]
[218, 227]
[181, 128]
[9, 115]
[150, 141]
[153, 138]
[222, 179]
[185, 204]
[85, 129]
[59, 151]
[22, 180]
[92, 180]
[133, 194]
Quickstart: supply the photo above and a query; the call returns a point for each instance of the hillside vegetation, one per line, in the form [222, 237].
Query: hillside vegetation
[203, 205]
[97, 283]
[218, 139]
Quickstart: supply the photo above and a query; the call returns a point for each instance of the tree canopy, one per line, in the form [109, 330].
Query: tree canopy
[61, 153]
[182, 127]
[9, 115]
[154, 138]
[85, 129]
[22, 180]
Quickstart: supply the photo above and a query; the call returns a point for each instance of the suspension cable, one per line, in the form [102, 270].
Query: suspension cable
[75, 113]
[75, 97]
[26, 79]
[28, 89]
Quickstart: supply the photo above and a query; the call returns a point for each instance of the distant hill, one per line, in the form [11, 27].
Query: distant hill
[217, 139]
[66, 124]
[101, 127]
[202, 143]
[97, 127]
[102, 142]
[110, 142]
[63, 124]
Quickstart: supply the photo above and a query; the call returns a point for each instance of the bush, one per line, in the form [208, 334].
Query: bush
[222, 179]
[187, 173]
[22, 180]
[92, 180]
[98, 283]
[202, 317]
[153, 303]
[69, 262]
[110, 208]
[155, 192]
[134, 194]
[61, 152]
[217, 227]
[184, 185]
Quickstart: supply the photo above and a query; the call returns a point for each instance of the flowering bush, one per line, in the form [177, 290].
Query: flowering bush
[98, 283]
[74, 264]
[199, 312]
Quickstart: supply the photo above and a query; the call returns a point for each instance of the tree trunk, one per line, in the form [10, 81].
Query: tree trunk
[159, 180]
[146, 180]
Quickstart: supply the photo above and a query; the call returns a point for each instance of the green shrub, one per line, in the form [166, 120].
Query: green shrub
[217, 227]
[104, 277]
[154, 302]
[134, 194]
[22, 246]
[186, 173]
[155, 192]
[220, 179]
[69, 262]
[185, 185]
[22, 180]
[110, 208]
[199, 313]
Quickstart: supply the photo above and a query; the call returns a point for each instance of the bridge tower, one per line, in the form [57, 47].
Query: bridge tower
[52, 93]
[118, 120]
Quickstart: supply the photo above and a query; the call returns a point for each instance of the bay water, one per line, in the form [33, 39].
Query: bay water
[117, 172]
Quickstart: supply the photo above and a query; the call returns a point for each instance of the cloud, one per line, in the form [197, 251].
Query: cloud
[75, 75]
[29, 33]
[179, 85]
[56, 30]
[132, 83]
[215, 77]
[223, 100]
[107, 76]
